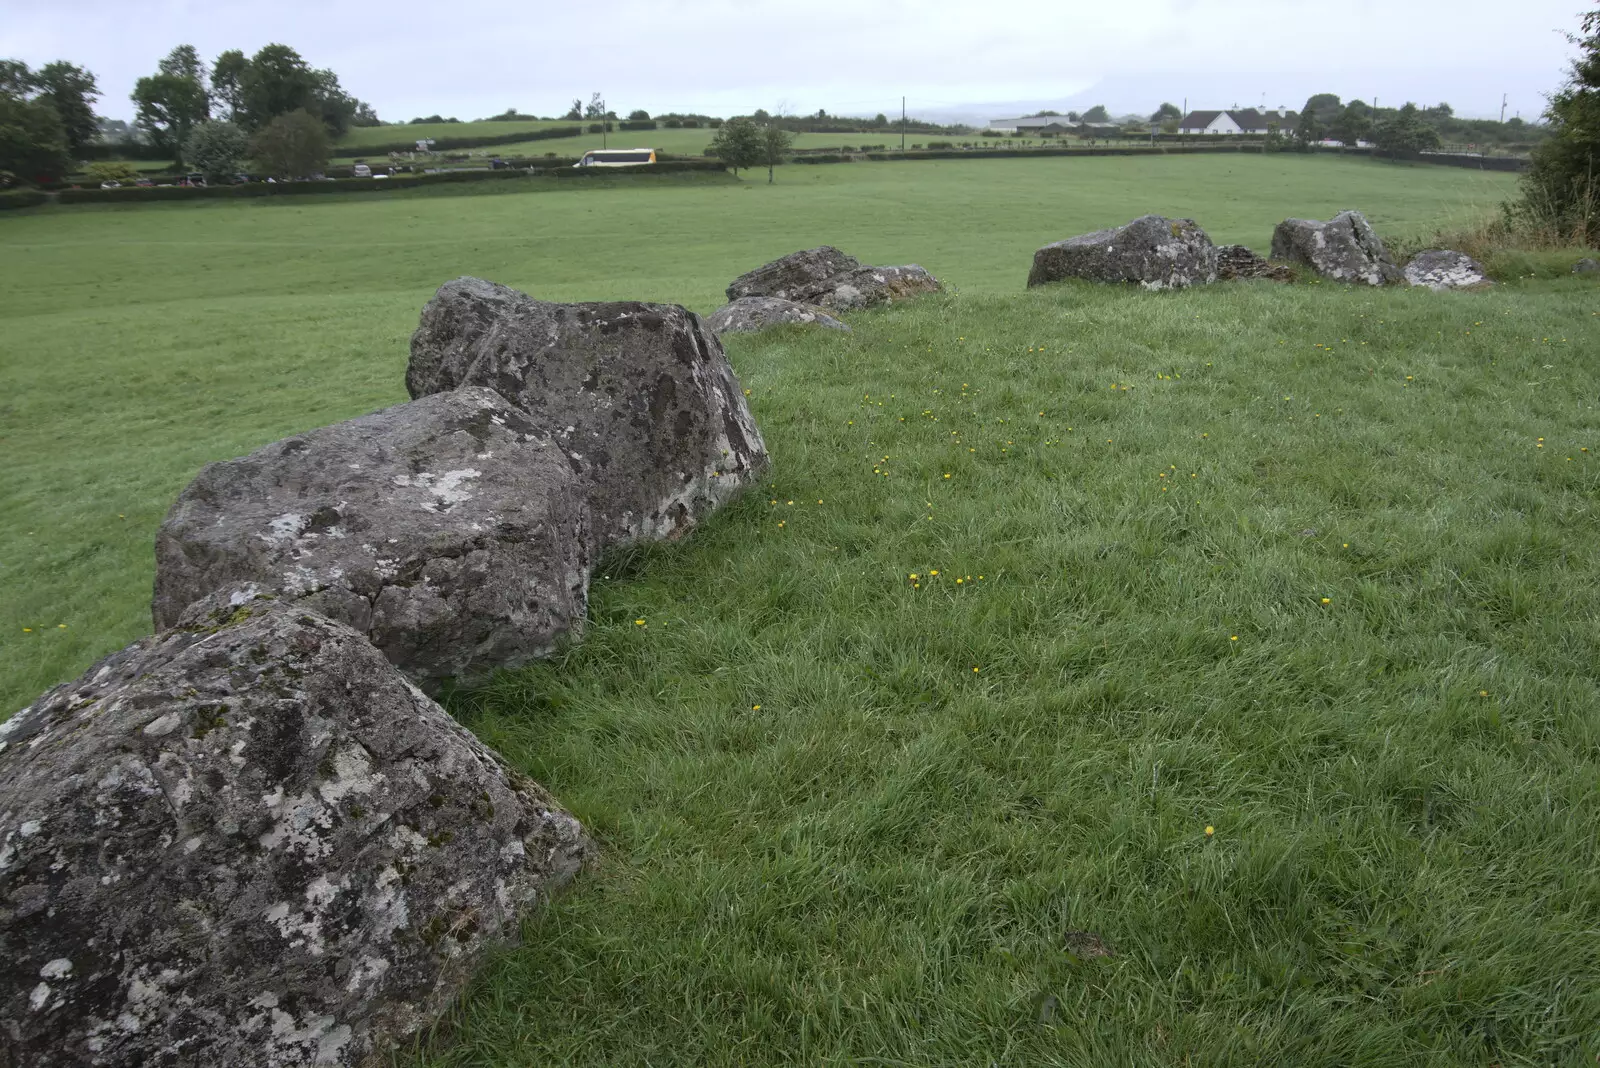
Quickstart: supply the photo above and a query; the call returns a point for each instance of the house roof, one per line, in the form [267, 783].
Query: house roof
[1244, 118]
[1199, 120]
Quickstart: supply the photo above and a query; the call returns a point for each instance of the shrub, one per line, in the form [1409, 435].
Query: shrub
[292, 145]
[21, 198]
[674, 124]
[111, 171]
[637, 124]
[217, 149]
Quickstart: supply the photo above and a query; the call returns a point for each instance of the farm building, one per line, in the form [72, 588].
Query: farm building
[1237, 121]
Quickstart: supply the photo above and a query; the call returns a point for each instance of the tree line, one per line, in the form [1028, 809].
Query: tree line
[272, 107]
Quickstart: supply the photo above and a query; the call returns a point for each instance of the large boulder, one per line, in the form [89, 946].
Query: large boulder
[1445, 269]
[830, 279]
[451, 531]
[1345, 249]
[1240, 261]
[1587, 265]
[259, 847]
[641, 397]
[747, 315]
[1154, 251]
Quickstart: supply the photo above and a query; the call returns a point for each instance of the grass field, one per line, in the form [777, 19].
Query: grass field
[1310, 566]
[673, 142]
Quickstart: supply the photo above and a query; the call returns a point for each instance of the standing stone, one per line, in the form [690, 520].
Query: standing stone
[747, 315]
[830, 279]
[451, 531]
[260, 848]
[1443, 269]
[1240, 261]
[1155, 252]
[640, 396]
[1345, 249]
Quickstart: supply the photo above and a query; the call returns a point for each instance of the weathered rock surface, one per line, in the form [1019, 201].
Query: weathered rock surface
[1585, 265]
[830, 279]
[1240, 261]
[1445, 269]
[1345, 249]
[799, 276]
[259, 847]
[1155, 252]
[451, 531]
[748, 315]
[640, 396]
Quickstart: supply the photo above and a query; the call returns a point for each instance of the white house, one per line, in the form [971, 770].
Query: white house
[1237, 121]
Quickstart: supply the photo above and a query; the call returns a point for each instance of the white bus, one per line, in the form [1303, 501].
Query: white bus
[616, 157]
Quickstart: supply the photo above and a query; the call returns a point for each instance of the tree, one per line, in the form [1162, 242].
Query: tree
[1406, 133]
[1562, 186]
[71, 91]
[638, 115]
[575, 112]
[775, 141]
[738, 144]
[1320, 112]
[276, 82]
[1098, 113]
[111, 170]
[880, 120]
[172, 101]
[33, 142]
[217, 149]
[226, 74]
[1164, 113]
[596, 108]
[292, 146]
[1355, 123]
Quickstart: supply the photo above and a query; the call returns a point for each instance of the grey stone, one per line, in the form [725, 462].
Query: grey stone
[451, 531]
[1345, 249]
[1154, 251]
[1444, 269]
[830, 279]
[640, 396]
[799, 276]
[748, 315]
[1585, 265]
[258, 847]
[1240, 261]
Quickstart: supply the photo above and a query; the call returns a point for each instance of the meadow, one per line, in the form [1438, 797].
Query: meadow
[670, 142]
[1103, 677]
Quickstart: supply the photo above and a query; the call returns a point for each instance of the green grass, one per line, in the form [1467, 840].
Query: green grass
[897, 859]
[672, 142]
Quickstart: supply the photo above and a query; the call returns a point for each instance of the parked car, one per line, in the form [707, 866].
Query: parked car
[144, 183]
[361, 170]
[113, 184]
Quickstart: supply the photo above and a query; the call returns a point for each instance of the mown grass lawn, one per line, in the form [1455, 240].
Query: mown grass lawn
[1310, 566]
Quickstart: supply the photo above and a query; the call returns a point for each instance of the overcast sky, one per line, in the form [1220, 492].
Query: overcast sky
[411, 57]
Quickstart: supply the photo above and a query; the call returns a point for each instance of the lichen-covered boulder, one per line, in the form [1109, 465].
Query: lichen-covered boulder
[1153, 251]
[799, 276]
[640, 396]
[1240, 261]
[748, 315]
[1345, 249]
[828, 278]
[259, 847]
[1587, 265]
[1445, 269]
[451, 531]
[866, 286]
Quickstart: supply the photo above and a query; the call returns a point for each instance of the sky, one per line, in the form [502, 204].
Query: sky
[951, 59]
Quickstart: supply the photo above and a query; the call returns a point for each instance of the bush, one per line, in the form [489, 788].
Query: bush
[637, 124]
[938, 144]
[217, 149]
[21, 198]
[111, 171]
[292, 145]
[674, 124]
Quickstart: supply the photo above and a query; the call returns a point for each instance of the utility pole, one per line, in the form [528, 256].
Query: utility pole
[1503, 98]
[902, 124]
[603, 125]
